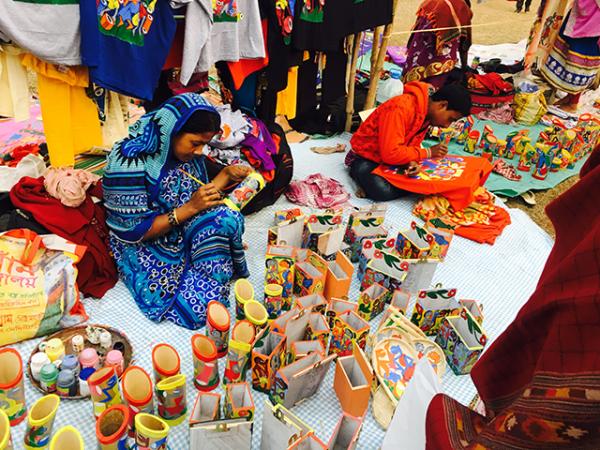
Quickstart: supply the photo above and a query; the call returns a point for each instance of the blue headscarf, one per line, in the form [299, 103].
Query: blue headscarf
[137, 163]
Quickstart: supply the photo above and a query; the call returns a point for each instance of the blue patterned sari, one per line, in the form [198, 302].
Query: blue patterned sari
[174, 276]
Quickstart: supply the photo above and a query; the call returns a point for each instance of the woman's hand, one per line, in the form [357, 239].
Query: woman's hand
[205, 197]
[413, 169]
[238, 172]
[438, 151]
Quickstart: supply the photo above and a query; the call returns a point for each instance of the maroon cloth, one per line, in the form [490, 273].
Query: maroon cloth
[85, 225]
[540, 380]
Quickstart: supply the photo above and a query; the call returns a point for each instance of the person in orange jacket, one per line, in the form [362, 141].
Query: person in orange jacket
[393, 133]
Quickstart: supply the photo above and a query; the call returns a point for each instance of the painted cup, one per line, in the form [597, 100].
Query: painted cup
[256, 314]
[12, 390]
[112, 428]
[244, 292]
[165, 361]
[151, 432]
[217, 326]
[273, 300]
[5, 438]
[170, 394]
[137, 393]
[104, 389]
[240, 349]
[67, 437]
[54, 348]
[40, 421]
[206, 364]
[245, 191]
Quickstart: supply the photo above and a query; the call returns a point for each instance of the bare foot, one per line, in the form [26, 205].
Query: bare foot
[245, 246]
[360, 193]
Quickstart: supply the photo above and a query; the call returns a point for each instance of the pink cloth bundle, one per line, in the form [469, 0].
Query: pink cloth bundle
[69, 185]
[317, 191]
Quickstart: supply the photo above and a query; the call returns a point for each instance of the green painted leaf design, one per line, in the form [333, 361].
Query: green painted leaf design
[439, 223]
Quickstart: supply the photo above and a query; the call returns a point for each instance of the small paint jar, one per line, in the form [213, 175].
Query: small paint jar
[273, 300]
[84, 389]
[77, 344]
[54, 348]
[70, 362]
[66, 383]
[114, 358]
[218, 322]
[38, 360]
[105, 340]
[48, 378]
[89, 358]
[256, 314]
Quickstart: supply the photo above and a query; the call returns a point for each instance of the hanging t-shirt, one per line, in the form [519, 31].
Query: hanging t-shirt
[368, 14]
[125, 44]
[48, 29]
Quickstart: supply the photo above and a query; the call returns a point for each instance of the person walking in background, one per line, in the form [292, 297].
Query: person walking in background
[520, 3]
[431, 55]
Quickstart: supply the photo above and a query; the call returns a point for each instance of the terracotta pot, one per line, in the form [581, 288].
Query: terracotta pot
[112, 428]
[67, 438]
[206, 364]
[40, 421]
[12, 391]
[217, 326]
[165, 361]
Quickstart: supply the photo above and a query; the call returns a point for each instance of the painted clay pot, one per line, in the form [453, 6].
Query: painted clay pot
[170, 394]
[136, 386]
[5, 439]
[104, 389]
[244, 292]
[273, 300]
[245, 191]
[12, 391]
[206, 364]
[40, 421]
[217, 326]
[112, 428]
[67, 438]
[240, 349]
[165, 361]
[151, 432]
[256, 314]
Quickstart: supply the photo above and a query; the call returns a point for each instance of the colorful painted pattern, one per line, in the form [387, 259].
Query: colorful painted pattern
[127, 20]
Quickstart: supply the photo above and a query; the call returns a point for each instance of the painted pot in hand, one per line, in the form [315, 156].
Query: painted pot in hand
[5, 438]
[136, 386]
[104, 389]
[217, 326]
[151, 432]
[238, 355]
[245, 191]
[165, 361]
[112, 428]
[40, 421]
[170, 394]
[67, 437]
[206, 364]
[12, 391]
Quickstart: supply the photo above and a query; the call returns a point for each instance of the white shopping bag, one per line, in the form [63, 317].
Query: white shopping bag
[407, 429]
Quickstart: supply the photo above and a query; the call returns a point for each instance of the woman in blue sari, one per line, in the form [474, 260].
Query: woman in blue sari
[176, 246]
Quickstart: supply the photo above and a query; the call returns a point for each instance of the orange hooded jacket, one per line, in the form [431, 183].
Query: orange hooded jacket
[393, 133]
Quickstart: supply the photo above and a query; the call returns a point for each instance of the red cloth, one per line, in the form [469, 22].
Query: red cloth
[85, 225]
[540, 380]
[486, 234]
[241, 69]
[393, 133]
[175, 56]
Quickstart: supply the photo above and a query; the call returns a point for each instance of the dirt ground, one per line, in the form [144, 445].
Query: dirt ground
[499, 24]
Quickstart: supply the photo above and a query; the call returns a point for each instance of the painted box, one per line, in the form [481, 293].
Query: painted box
[443, 233]
[311, 273]
[338, 306]
[414, 243]
[312, 303]
[372, 301]
[318, 329]
[289, 233]
[346, 433]
[300, 349]
[352, 382]
[238, 402]
[268, 355]
[389, 271]
[474, 308]
[339, 277]
[206, 408]
[373, 249]
[431, 308]
[349, 331]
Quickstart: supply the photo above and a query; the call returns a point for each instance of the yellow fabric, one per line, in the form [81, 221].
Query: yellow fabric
[70, 117]
[14, 90]
[116, 123]
[286, 99]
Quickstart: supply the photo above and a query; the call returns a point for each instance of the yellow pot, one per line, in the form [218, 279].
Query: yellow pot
[5, 439]
[256, 313]
[40, 421]
[67, 438]
[170, 393]
[137, 391]
[12, 390]
[151, 432]
[165, 361]
[244, 292]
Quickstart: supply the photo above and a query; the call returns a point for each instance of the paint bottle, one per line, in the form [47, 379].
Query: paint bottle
[66, 383]
[48, 377]
[89, 358]
[77, 344]
[84, 389]
[38, 360]
[114, 358]
[71, 362]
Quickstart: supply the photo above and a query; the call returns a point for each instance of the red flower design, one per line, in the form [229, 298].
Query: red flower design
[368, 244]
[377, 254]
[337, 219]
[390, 242]
[312, 219]
[422, 294]
[452, 292]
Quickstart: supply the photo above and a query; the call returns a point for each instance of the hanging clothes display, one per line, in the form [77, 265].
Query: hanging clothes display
[70, 117]
[14, 90]
[47, 29]
[286, 99]
[125, 44]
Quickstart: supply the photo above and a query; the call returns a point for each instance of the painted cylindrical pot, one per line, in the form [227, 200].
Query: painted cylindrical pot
[256, 314]
[40, 421]
[487, 131]
[165, 361]
[471, 142]
[240, 349]
[273, 300]
[245, 191]
[170, 394]
[67, 437]
[244, 292]
[206, 364]
[104, 389]
[136, 386]
[217, 326]
[112, 428]
[12, 390]
[5, 437]
[151, 432]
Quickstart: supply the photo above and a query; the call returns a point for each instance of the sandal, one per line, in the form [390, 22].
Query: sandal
[529, 198]
[501, 167]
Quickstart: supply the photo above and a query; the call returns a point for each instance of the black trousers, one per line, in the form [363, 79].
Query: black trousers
[521, 2]
[375, 187]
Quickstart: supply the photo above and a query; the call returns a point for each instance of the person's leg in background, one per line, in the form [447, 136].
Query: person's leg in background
[373, 187]
[527, 5]
[519, 6]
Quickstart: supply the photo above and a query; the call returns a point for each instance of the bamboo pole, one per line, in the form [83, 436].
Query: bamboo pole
[376, 43]
[352, 82]
[376, 71]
